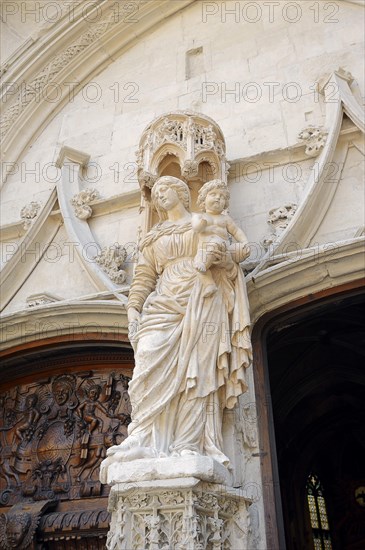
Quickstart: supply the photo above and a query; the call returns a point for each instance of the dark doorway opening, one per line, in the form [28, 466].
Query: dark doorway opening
[315, 360]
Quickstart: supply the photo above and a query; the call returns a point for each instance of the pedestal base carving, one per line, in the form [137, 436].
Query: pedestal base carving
[178, 514]
[200, 467]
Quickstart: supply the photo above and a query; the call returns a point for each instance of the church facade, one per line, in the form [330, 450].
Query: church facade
[99, 100]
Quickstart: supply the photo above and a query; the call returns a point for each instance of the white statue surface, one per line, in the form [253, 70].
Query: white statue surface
[214, 228]
[192, 347]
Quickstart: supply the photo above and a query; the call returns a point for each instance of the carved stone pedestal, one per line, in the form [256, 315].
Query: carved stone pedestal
[205, 468]
[177, 514]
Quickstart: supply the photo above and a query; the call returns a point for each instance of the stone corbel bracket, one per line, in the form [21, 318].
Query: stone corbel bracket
[322, 184]
[71, 162]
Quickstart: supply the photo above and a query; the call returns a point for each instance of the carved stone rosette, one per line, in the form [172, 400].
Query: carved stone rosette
[184, 514]
[29, 212]
[315, 139]
[190, 139]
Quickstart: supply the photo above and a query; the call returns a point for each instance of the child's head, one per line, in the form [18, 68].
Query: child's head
[210, 186]
[31, 400]
[93, 391]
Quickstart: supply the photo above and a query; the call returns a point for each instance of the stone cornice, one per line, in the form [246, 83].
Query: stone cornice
[330, 265]
[280, 157]
[63, 318]
[309, 271]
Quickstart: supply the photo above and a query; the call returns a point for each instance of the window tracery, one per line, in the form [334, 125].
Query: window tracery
[318, 513]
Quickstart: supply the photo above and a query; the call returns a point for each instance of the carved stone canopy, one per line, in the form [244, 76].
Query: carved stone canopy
[183, 144]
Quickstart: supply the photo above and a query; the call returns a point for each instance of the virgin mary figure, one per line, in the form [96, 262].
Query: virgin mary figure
[191, 350]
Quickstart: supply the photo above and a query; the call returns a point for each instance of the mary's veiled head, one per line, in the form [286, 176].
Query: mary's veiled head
[161, 197]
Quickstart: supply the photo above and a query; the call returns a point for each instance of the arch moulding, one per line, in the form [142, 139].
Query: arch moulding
[76, 51]
[304, 273]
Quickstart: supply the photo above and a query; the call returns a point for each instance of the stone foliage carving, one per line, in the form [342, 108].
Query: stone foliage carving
[53, 435]
[170, 130]
[111, 259]
[41, 299]
[190, 169]
[81, 203]
[147, 179]
[279, 219]
[198, 518]
[315, 139]
[29, 212]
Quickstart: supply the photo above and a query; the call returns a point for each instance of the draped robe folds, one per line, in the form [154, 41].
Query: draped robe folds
[191, 351]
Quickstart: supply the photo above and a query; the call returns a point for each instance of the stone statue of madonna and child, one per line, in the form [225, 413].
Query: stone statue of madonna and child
[189, 326]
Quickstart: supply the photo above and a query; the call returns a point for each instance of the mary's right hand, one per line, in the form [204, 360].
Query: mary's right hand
[134, 317]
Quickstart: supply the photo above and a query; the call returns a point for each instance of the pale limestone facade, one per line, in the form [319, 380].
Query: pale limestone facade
[278, 82]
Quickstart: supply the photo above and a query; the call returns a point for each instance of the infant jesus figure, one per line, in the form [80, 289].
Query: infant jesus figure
[214, 229]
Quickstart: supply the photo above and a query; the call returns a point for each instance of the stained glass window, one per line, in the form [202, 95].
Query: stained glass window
[318, 514]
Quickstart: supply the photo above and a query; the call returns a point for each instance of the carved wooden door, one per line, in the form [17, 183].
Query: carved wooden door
[58, 416]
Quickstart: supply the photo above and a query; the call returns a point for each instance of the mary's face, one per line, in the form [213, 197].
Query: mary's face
[166, 197]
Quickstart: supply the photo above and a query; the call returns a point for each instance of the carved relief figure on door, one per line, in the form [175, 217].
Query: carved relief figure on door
[54, 434]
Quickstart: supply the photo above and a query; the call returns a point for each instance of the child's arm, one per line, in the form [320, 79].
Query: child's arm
[239, 250]
[199, 223]
[236, 232]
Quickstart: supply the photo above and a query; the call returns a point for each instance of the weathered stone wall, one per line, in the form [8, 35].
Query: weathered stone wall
[254, 70]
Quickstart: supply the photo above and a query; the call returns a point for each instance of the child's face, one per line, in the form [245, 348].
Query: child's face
[215, 201]
[93, 393]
